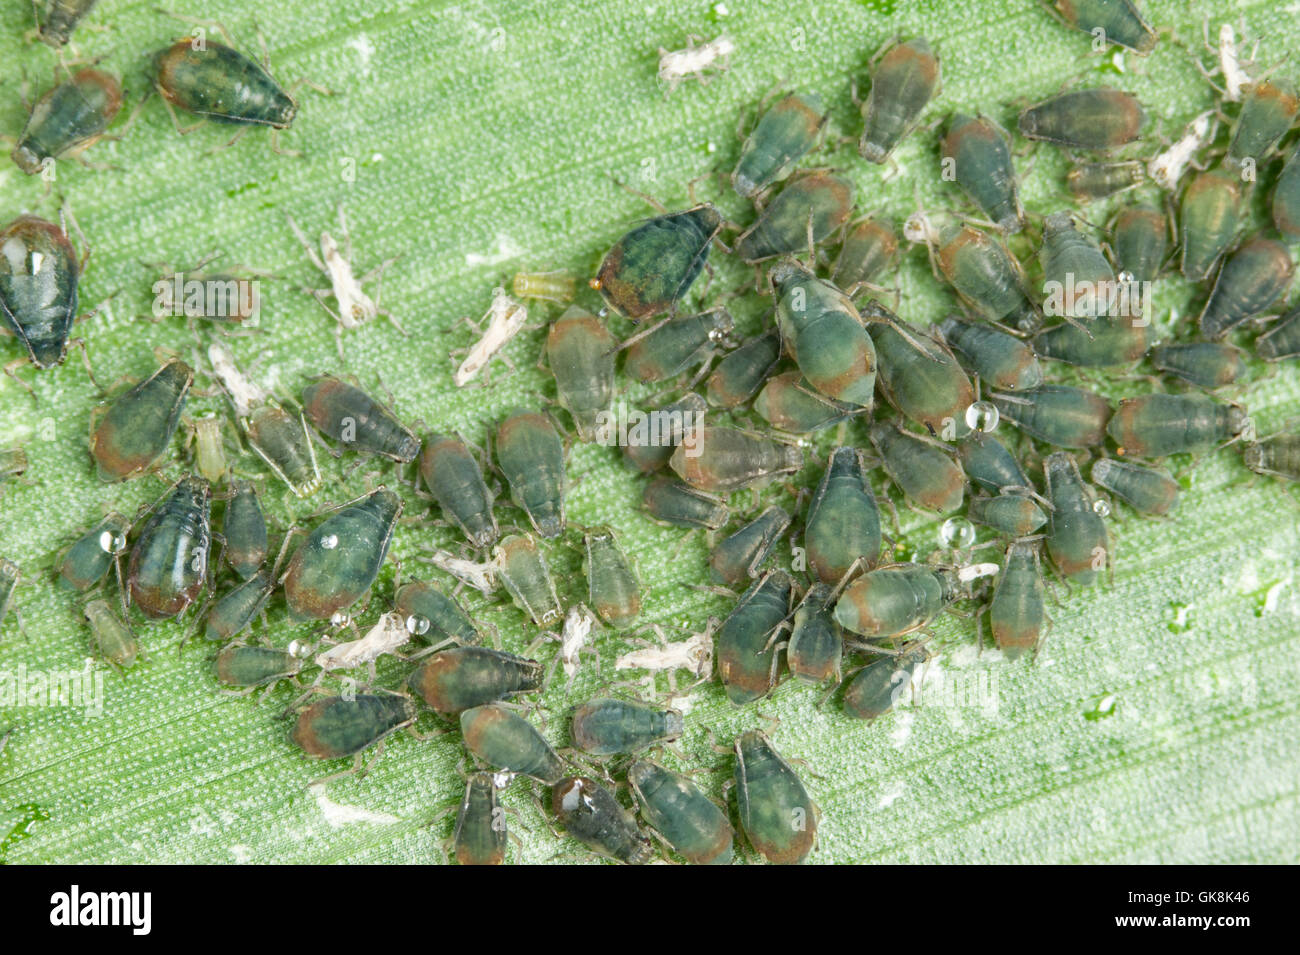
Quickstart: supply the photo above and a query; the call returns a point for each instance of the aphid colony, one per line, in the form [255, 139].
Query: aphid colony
[849, 613]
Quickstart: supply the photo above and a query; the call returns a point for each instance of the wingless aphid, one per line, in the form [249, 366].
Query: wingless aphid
[1286, 197]
[738, 557]
[209, 447]
[241, 665]
[1144, 489]
[981, 270]
[988, 463]
[590, 813]
[10, 575]
[235, 610]
[522, 567]
[648, 270]
[920, 377]
[1117, 21]
[1281, 341]
[874, 689]
[744, 645]
[580, 351]
[1277, 456]
[1252, 279]
[504, 319]
[688, 820]
[1267, 114]
[673, 503]
[459, 678]
[1208, 216]
[351, 417]
[1018, 610]
[650, 448]
[788, 403]
[433, 614]
[777, 814]
[39, 270]
[219, 83]
[132, 432]
[507, 741]
[1077, 540]
[244, 527]
[169, 562]
[110, 635]
[1095, 119]
[726, 459]
[90, 556]
[480, 834]
[673, 346]
[816, 640]
[608, 726]
[1206, 364]
[68, 119]
[1060, 415]
[843, 523]
[811, 206]
[1093, 180]
[787, 131]
[59, 18]
[340, 726]
[904, 81]
[613, 589]
[895, 600]
[1140, 237]
[1100, 342]
[1010, 514]
[1002, 361]
[530, 453]
[554, 287]
[981, 163]
[924, 472]
[741, 372]
[1156, 425]
[13, 464]
[870, 248]
[453, 476]
[1078, 282]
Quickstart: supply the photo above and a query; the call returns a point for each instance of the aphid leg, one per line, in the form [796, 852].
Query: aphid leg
[648, 199]
[243, 130]
[11, 367]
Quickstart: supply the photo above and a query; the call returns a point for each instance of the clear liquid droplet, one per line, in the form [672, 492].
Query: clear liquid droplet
[341, 618]
[417, 624]
[298, 649]
[956, 532]
[111, 543]
[1101, 507]
[1126, 277]
[983, 416]
[329, 541]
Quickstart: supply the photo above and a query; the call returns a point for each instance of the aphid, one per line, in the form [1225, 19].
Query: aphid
[554, 287]
[1208, 216]
[813, 205]
[1207, 364]
[778, 141]
[1286, 197]
[10, 575]
[1116, 21]
[429, 612]
[522, 567]
[1279, 342]
[673, 503]
[481, 576]
[1078, 282]
[210, 450]
[896, 599]
[726, 459]
[575, 636]
[823, 332]
[110, 635]
[530, 453]
[580, 351]
[507, 741]
[924, 472]
[388, 635]
[1252, 279]
[989, 464]
[1011, 514]
[694, 655]
[843, 523]
[504, 318]
[1095, 119]
[816, 641]
[13, 463]
[1097, 180]
[777, 814]
[694, 61]
[741, 372]
[224, 298]
[688, 820]
[673, 346]
[340, 726]
[788, 403]
[244, 528]
[70, 118]
[1060, 415]
[131, 433]
[335, 566]
[1102, 342]
[281, 440]
[91, 555]
[1144, 489]
[59, 18]
[1278, 456]
[1076, 534]
[920, 377]
[1268, 111]
[608, 727]
[354, 419]
[612, 586]
[169, 561]
[976, 150]
[739, 556]
[235, 611]
[649, 446]
[1002, 361]
[249, 666]
[454, 478]
[870, 247]
[981, 270]
[38, 289]
[649, 269]
[218, 82]
[1156, 425]
[1141, 239]
[904, 81]
[1167, 168]
[480, 834]
[459, 678]
[591, 814]
[875, 688]
[1018, 610]
[744, 644]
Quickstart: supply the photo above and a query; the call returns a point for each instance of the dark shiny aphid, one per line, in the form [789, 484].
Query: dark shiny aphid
[133, 432]
[1252, 279]
[673, 503]
[650, 446]
[480, 834]
[744, 649]
[1153, 426]
[580, 351]
[339, 726]
[111, 635]
[1097, 119]
[613, 589]
[814, 204]
[982, 166]
[895, 600]
[433, 614]
[737, 558]
[459, 678]
[1060, 415]
[169, 561]
[986, 277]
[38, 288]
[351, 417]
[1277, 456]
[608, 727]
[1119, 21]
[248, 666]
[920, 378]
[1267, 114]
[1281, 341]
[1207, 364]
[740, 373]
[924, 472]
[779, 140]
[68, 119]
[904, 81]
[507, 741]
[688, 820]
[843, 523]
[777, 814]
[1286, 197]
[816, 640]
[676, 345]
[217, 82]
[1097, 180]
[1010, 514]
[823, 332]
[454, 478]
[592, 815]
[725, 459]
[875, 688]
[244, 527]
[1144, 489]
[788, 403]
[1207, 220]
[1002, 361]
[1018, 610]
[1076, 534]
[1078, 282]
[1141, 240]
[89, 558]
[59, 18]
[649, 270]
[530, 453]
[1098, 343]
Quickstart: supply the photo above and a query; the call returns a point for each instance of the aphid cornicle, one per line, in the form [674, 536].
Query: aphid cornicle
[738, 557]
[608, 726]
[340, 726]
[904, 81]
[1267, 114]
[989, 464]
[1140, 237]
[688, 820]
[1018, 610]
[1013, 515]
[895, 600]
[788, 403]
[725, 459]
[244, 527]
[580, 351]
[530, 453]
[220, 83]
[984, 275]
[787, 131]
[1207, 364]
[1277, 456]
[1097, 180]
[1076, 534]
[68, 119]
[741, 372]
[248, 666]
[744, 646]
[38, 288]
[351, 417]
[169, 561]
[234, 612]
[920, 377]
[843, 523]
[816, 640]
[777, 814]
[1118, 22]
[613, 589]
[1078, 282]
[677, 344]
[480, 834]
[522, 567]
[592, 815]
[131, 433]
[1095, 119]
[1002, 361]
[1060, 415]
[434, 614]
[981, 164]
[1281, 341]
[453, 476]
[111, 635]
[1099, 343]
[1207, 220]
[813, 204]
[59, 18]
[673, 503]
[875, 688]
[1156, 425]
[459, 678]
[870, 247]
[91, 555]
[1252, 279]
[648, 270]
[924, 472]
[666, 427]
[508, 741]
[1144, 489]
[1286, 197]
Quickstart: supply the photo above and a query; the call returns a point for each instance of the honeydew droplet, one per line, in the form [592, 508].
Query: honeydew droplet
[983, 416]
[329, 541]
[1101, 507]
[956, 532]
[417, 624]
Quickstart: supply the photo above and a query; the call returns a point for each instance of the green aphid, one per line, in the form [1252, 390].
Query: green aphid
[1277, 456]
[454, 478]
[688, 820]
[220, 83]
[1078, 282]
[986, 277]
[741, 372]
[976, 150]
[813, 205]
[1252, 279]
[726, 459]
[677, 505]
[10, 575]
[1018, 610]
[989, 464]
[235, 611]
[169, 562]
[870, 248]
[249, 666]
[580, 351]
[90, 556]
[904, 81]
[1118, 22]
[738, 557]
[111, 636]
[1206, 364]
[1097, 180]
[359, 423]
[1143, 489]
[130, 434]
[816, 641]
[68, 119]
[1140, 237]
[557, 287]
[823, 332]
[651, 441]
[1156, 425]
[1286, 197]
[38, 288]
[459, 678]
[431, 613]
[613, 590]
[779, 140]
[522, 567]
[1280, 342]
[677, 344]
[281, 440]
[507, 741]
[1095, 119]
[1097, 343]
[843, 523]
[590, 813]
[340, 726]
[874, 689]
[920, 377]
[1010, 514]
[649, 270]
[481, 833]
[776, 813]
[1002, 361]
[1207, 221]
[244, 528]
[788, 403]
[1267, 114]
[925, 473]
[1076, 534]
[1060, 415]
[13, 464]
[337, 563]
[58, 18]
[609, 727]
[895, 600]
[744, 645]
[530, 453]
[209, 447]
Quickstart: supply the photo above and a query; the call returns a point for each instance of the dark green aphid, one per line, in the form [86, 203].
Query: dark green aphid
[523, 569]
[1286, 197]
[454, 478]
[688, 820]
[904, 81]
[351, 417]
[1278, 456]
[1207, 220]
[38, 288]
[169, 561]
[815, 204]
[741, 372]
[613, 589]
[986, 277]
[607, 727]
[430, 612]
[1078, 282]
[1267, 114]
[1097, 180]
[580, 351]
[1098, 343]
[1141, 240]
[777, 814]
[744, 646]
[1097, 119]
[128, 436]
[1144, 489]
[339, 726]
[1281, 341]
[1207, 364]
[816, 640]
[1153, 426]
[843, 523]
[649, 270]
[1018, 610]
[480, 834]
[68, 119]
[738, 557]
[90, 556]
[875, 688]
[507, 741]
[870, 247]
[591, 814]
[59, 18]
[335, 566]
[989, 464]
[895, 600]
[244, 527]
[110, 635]
[1117, 21]
[458, 678]
[788, 403]
[725, 459]
[924, 472]
[779, 140]
[1013, 515]
[241, 665]
[1252, 279]
[651, 441]
[823, 332]
[1002, 361]
[530, 453]
[980, 160]
[280, 439]
[1060, 415]
[671, 502]
[1076, 534]
[236, 610]
[677, 344]
[219, 83]
[920, 377]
